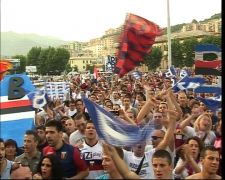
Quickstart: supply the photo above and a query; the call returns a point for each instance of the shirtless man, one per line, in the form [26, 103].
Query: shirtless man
[210, 163]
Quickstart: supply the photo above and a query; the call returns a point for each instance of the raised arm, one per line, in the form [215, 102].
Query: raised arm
[147, 107]
[120, 164]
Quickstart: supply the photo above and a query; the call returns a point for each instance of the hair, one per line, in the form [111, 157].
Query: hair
[1, 140]
[56, 124]
[78, 100]
[198, 140]
[80, 115]
[142, 95]
[208, 148]
[57, 172]
[161, 153]
[41, 127]
[34, 133]
[89, 121]
[194, 102]
[11, 142]
[197, 122]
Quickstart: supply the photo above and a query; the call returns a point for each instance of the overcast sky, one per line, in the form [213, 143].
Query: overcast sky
[83, 20]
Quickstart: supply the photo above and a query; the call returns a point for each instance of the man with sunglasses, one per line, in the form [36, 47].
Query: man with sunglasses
[77, 137]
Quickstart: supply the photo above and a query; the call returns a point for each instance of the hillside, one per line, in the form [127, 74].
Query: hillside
[19, 44]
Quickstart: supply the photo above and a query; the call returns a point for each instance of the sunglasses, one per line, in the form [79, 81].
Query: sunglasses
[155, 137]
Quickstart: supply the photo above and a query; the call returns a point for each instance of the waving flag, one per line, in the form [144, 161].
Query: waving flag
[212, 104]
[183, 73]
[16, 112]
[38, 98]
[208, 89]
[171, 72]
[4, 67]
[136, 41]
[115, 131]
[188, 83]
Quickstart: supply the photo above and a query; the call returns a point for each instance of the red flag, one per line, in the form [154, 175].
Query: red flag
[136, 41]
[4, 67]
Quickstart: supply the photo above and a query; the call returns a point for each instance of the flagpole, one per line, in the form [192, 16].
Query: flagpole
[169, 34]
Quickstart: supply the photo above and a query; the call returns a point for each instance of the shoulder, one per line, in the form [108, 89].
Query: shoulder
[194, 176]
[18, 158]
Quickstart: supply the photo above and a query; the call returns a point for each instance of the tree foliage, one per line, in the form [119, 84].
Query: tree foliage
[153, 59]
[177, 53]
[188, 46]
[49, 60]
[23, 61]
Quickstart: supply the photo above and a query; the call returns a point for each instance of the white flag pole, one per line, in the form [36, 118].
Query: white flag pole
[169, 34]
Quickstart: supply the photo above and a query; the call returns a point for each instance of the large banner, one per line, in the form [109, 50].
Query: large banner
[16, 112]
[205, 67]
[57, 90]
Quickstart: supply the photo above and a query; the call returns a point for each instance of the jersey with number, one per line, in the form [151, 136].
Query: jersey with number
[93, 157]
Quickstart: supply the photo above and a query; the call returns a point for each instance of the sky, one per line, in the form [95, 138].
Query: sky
[82, 20]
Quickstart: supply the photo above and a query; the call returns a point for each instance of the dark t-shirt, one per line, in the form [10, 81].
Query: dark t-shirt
[70, 158]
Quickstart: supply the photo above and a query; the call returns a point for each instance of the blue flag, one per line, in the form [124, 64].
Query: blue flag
[115, 131]
[188, 83]
[209, 89]
[212, 104]
[171, 72]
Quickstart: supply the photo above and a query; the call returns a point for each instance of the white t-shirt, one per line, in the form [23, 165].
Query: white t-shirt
[133, 162]
[76, 137]
[93, 157]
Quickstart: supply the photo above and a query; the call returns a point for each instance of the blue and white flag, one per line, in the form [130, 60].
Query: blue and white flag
[212, 103]
[188, 83]
[209, 89]
[183, 73]
[16, 112]
[38, 98]
[136, 74]
[171, 72]
[115, 131]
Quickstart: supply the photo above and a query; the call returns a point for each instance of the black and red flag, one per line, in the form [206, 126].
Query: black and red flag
[136, 41]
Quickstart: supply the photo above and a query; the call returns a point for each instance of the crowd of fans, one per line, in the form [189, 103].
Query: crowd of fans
[186, 142]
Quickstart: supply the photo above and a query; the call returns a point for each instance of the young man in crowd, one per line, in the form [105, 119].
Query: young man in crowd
[210, 159]
[31, 155]
[77, 137]
[91, 151]
[73, 166]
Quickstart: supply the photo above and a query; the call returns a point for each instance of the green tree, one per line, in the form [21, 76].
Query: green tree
[153, 59]
[188, 46]
[176, 53]
[23, 59]
[212, 40]
[42, 67]
[60, 60]
[33, 56]
[68, 68]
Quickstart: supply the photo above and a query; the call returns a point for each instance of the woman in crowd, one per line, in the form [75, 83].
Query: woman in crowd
[189, 161]
[5, 165]
[12, 150]
[202, 128]
[49, 167]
